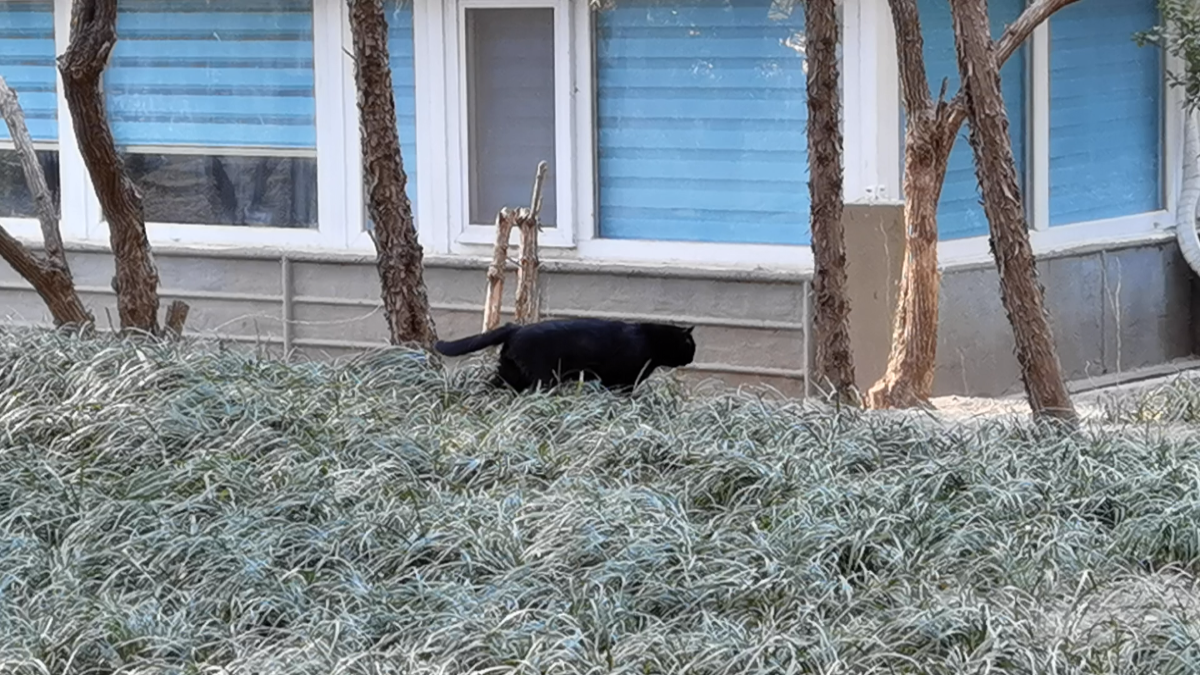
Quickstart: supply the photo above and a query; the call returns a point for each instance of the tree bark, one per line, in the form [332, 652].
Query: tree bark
[93, 36]
[908, 380]
[1020, 291]
[399, 256]
[50, 276]
[831, 320]
[929, 138]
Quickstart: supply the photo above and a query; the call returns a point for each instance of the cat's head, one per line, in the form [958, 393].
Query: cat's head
[676, 346]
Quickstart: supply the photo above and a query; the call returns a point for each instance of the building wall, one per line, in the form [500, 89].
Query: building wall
[1113, 310]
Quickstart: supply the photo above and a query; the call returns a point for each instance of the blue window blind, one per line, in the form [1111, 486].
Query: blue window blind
[27, 63]
[701, 121]
[1105, 112]
[960, 213]
[213, 73]
[404, 87]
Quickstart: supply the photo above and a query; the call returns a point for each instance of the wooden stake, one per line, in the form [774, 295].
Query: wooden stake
[496, 270]
[528, 291]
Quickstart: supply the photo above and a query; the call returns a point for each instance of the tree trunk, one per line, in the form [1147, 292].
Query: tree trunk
[908, 380]
[929, 138]
[50, 276]
[996, 169]
[399, 255]
[93, 36]
[831, 321]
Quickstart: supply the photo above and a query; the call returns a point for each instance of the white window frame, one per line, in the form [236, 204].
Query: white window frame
[330, 232]
[464, 234]
[1150, 226]
[873, 154]
[688, 253]
[73, 180]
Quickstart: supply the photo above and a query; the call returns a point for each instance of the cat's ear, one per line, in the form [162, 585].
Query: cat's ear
[688, 330]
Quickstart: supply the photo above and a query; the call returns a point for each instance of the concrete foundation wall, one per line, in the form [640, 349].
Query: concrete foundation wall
[1112, 311]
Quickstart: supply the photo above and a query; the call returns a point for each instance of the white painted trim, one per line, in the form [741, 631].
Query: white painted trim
[871, 103]
[1113, 231]
[329, 89]
[1172, 134]
[887, 82]
[78, 197]
[355, 216]
[1039, 128]
[859, 106]
[463, 232]
[584, 138]
[218, 150]
[792, 258]
[231, 235]
[37, 145]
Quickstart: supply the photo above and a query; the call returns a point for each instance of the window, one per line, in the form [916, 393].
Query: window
[27, 64]
[511, 105]
[1106, 98]
[212, 103]
[960, 213]
[700, 125]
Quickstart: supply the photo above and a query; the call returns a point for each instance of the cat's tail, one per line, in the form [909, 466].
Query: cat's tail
[475, 342]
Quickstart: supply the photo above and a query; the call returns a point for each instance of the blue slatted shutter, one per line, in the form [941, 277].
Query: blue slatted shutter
[401, 50]
[960, 213]
[213, 74]
[1105, 112]
[701, 121]
[27, 63]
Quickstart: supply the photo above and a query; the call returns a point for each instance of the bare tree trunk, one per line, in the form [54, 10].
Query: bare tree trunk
[399, 254]
[50, 276]
[908, 380]
[835, 359]
[997, 172]
[932, 127]
[93, 36]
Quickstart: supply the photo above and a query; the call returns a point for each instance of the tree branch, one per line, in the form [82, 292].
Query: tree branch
[1015, 34]
[47, 212]
[93, 36]
[1019, 31]
[910, 50]
[50, 277]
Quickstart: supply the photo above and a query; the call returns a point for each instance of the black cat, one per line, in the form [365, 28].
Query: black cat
[618, 354]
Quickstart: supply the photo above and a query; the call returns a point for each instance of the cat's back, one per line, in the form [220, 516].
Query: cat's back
[574, 336]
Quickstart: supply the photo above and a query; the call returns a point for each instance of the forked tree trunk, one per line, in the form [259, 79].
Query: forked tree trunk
[399, 257]
[997, 172]
[50, 275]
[932, 127]
[831, 321]
[93, 36]
[908, 380]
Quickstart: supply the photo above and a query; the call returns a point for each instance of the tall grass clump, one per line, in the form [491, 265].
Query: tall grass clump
[184, 509]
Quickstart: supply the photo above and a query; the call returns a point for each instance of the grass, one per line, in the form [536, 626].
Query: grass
[180, 509]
